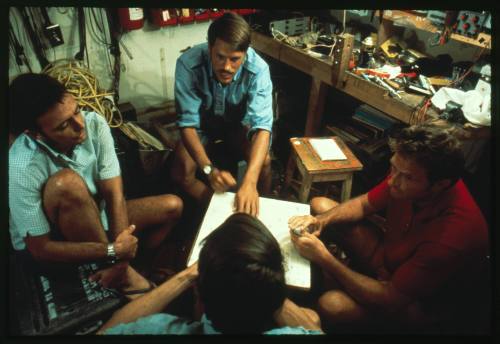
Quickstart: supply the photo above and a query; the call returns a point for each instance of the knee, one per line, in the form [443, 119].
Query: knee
[174, 206]
[66, 185]
[334, 305]
[321, 204]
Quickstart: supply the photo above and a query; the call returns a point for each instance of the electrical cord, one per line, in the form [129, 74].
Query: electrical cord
[83, 85]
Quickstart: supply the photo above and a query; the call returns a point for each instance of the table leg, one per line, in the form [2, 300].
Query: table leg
[316, 106]
[345, 194]
[305, 188]
[290, 169]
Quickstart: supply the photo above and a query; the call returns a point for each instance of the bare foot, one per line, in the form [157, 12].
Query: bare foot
[123, 277]
[134, 282]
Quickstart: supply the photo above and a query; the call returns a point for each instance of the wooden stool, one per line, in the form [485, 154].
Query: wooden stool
[313, 169]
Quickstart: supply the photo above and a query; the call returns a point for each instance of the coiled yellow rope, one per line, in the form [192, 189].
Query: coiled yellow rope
[83, 85]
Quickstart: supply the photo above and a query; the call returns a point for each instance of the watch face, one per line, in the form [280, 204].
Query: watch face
[207, 169]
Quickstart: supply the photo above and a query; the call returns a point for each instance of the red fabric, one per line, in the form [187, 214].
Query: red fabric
[423, 249]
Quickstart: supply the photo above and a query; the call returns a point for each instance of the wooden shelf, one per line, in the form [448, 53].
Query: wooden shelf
[410, 20]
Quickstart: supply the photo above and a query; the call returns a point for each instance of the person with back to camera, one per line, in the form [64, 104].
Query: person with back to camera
[241, 286]
[428, 266]
[223, 92]
[66, 198]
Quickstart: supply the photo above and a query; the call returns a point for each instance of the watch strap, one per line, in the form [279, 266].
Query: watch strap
[111, 253]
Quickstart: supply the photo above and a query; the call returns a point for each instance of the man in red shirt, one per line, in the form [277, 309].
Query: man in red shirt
[430, 258]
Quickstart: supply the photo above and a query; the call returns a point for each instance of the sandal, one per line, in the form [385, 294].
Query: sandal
[151, 286]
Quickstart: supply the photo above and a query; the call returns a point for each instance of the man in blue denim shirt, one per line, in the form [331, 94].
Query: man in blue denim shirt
[223, 91]
[240, 281]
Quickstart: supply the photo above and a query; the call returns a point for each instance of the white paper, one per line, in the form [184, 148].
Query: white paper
[274, 214]
[327, 149]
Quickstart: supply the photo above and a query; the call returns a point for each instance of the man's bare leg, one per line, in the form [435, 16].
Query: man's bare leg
[184, 174]
[154, 218]
[71, 209]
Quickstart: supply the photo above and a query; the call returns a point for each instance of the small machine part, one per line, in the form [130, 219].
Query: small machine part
[392, 47]
[291, 27]
[470, 23]
[453, 113]
[387, 87]
[367, 60]
[487, 24]
[436, 17]
[361, 13]
[412, 87]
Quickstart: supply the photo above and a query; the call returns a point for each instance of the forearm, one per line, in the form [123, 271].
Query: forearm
[153, 302]
[365, 290]
[111, 190]
[194, 146]
[70, 252]
[292, 315]
[258, 151]
[350, 211]
[116, 208]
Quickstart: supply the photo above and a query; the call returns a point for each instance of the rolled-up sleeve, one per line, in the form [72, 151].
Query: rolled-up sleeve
[259, 113]
[187, 102]
[107, 161]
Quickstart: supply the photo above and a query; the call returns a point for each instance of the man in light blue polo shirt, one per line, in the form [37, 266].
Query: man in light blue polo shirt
[65, 190]
[223, 91]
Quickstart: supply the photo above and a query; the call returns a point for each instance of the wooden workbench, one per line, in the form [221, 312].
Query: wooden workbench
[334, 73]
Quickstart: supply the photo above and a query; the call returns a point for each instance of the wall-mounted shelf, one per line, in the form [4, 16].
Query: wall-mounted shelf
[410, 20]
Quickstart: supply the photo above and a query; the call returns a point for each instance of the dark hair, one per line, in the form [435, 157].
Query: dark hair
[241, 276]
[30, 96]
[232, 29]
[434, 148]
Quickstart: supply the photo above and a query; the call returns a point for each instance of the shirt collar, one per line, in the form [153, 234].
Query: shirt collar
[53, 152]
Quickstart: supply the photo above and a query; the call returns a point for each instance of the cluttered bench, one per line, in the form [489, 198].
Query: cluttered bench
[402, 92]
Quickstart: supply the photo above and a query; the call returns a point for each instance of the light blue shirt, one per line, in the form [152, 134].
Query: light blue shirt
[32, 162]
[163, 323]
[199, 95]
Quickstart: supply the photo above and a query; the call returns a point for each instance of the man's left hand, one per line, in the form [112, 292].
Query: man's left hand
[309, 246]
[247, 200]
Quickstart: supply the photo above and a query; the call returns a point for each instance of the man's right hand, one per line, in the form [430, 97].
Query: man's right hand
[113, 277]
[306, 222]
[126, 244]
[220, 180]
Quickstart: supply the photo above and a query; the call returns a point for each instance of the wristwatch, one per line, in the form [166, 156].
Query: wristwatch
[207, 169]
[111, 253]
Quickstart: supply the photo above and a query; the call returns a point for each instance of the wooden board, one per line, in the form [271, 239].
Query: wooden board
[412, 21]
